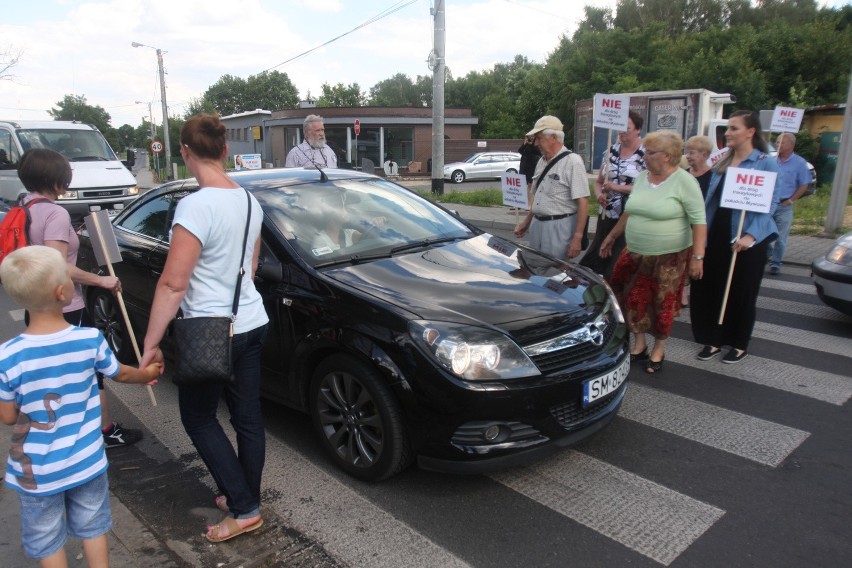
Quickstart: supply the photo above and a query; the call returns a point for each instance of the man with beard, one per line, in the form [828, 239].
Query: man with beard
[313, 151]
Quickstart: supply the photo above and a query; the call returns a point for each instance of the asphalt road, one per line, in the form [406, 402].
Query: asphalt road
[707, 465]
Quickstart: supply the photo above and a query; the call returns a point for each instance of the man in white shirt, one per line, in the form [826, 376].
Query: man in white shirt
[313, 151]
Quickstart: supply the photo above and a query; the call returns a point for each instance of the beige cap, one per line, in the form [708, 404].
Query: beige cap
[544, 123]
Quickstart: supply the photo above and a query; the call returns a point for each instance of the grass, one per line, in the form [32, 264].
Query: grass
[487, 197]
[810, 212]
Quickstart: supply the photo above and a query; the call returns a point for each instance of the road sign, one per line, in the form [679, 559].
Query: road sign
[156, 147]
[357, 127]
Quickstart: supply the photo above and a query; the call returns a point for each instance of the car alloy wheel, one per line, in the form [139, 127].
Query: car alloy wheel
[357, 419]
[511, 171]
[107, 318]
[458, 176]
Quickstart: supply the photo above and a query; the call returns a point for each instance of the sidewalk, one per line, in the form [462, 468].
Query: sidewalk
[801, 249]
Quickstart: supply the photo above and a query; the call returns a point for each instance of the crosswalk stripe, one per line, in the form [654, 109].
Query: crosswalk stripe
[644, 516]
[327, 510]
[819, 385]
[801, 309]
[792, 336]
[787, 286]
[739, 434]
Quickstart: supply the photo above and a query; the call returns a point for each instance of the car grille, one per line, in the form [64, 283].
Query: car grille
[471, 433]
[573, 413]
[102, 193]
[561, 358]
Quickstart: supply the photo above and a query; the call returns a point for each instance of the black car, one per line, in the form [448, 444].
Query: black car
[418, 336]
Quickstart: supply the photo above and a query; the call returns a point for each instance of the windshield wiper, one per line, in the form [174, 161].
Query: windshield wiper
[354, 259]
[89, 159]
[423, 243]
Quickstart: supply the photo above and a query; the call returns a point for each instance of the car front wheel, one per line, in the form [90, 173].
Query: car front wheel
[511, 171]
[357, 419]
[458, 176]
[106, 316]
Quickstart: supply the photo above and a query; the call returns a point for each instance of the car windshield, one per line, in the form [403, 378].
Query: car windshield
[355, 220]
[76, 145]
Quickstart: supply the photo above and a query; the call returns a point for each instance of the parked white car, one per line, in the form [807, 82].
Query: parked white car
[832, 275]
[483, 165]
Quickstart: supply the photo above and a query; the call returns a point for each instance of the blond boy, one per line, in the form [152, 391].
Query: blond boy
[49, 392]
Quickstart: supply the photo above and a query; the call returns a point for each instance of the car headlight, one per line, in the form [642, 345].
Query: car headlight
[133, 190]
[840, 254]
[472, 353]
[68, 195]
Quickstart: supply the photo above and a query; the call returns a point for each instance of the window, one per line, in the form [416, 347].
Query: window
[153, 219]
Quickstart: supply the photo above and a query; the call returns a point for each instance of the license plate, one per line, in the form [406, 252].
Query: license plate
[113, 212]
[595, 389]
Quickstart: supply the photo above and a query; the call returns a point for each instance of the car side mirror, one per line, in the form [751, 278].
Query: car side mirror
[268, 268]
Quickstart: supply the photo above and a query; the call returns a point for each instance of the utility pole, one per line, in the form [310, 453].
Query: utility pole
[843, 174]
[165, 115]
[168, 147]
[437, 64]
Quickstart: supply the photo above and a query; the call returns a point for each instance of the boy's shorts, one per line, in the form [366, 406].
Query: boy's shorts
[82, 512]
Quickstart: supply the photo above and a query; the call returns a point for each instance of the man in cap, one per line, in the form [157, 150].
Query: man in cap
[313, 151]
[560, 202]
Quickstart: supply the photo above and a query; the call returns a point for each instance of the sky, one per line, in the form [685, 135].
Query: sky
[84, 47]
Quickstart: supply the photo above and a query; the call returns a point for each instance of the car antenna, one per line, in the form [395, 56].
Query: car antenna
[323, 177]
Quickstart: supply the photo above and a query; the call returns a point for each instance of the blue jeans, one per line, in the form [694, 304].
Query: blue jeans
[784, 219]
[237, 473]
[82, 511]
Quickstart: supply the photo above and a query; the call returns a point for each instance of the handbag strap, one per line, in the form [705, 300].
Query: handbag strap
[242, 259]
[548, 166]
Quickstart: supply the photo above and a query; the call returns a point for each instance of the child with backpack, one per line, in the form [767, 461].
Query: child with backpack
[49, 392]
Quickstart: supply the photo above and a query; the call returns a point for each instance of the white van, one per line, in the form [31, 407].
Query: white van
[100, 180]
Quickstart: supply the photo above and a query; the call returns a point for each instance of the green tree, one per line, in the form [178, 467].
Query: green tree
[340, 95]
[271, 90]
[126, 136]
[398, 90]
[75, 107]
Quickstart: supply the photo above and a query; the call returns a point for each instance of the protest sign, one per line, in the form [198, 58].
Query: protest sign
[749, 190]
[611, 111]
[786, 119]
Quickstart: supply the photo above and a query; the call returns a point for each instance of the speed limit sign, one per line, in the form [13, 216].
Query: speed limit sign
[156, 147]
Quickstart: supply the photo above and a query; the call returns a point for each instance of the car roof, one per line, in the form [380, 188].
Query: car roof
[291, 176]
[48, 124]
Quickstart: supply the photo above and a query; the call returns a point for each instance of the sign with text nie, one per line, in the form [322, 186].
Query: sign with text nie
[514, 190]
[750, 190]
[786, 119]
[611, 111]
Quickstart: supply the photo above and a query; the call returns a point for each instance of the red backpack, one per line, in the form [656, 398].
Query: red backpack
[15, 228]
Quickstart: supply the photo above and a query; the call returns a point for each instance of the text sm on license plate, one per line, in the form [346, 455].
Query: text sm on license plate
[595, 389]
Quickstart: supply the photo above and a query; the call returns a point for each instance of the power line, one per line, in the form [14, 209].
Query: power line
[387, 12]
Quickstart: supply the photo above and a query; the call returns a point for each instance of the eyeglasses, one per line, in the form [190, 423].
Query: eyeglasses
[653, 152]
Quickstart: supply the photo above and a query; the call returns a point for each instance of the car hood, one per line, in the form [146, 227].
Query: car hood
[484, 281]
[455, 165]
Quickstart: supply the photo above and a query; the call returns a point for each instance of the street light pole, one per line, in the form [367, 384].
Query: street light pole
[168, 148]
[151, 118]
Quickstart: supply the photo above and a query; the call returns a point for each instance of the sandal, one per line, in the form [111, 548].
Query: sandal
[653, 367]
[233, 528]
[639, 356]
[222, 503]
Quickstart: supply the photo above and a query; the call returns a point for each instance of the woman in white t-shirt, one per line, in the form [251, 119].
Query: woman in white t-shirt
[202, 252]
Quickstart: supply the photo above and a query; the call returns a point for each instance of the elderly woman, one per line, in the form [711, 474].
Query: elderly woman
[698, 150]
[746, 149]
[665, 232]
[619, 169]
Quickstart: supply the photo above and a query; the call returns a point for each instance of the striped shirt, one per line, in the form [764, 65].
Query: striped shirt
[57, 442]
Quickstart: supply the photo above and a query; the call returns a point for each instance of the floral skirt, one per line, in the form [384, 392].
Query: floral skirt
[649, 290]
